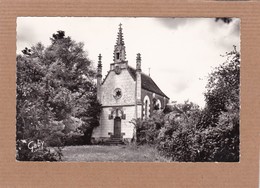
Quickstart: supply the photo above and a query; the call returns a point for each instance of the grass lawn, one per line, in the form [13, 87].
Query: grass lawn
[123, 153]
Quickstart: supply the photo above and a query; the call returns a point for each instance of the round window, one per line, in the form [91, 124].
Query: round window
[117, 93]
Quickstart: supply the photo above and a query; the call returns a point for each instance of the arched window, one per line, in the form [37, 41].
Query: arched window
[159, 104]
[146, 107]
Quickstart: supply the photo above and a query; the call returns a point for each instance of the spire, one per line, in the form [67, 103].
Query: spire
[120, 39]
[119, 50]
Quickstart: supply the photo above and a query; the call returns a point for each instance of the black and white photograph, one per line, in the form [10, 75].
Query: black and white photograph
[128, 89]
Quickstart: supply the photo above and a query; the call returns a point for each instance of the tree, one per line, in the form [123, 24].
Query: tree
[55, 85]
[220, 121]
[225, 20]
[223, 87]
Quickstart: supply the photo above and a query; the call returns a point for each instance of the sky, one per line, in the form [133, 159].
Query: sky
[179, 52]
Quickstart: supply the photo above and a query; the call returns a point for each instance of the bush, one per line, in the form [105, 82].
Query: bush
[176, 142]
[74, 140]
[220, 143]
[148, 129]
[177, 135]
[23, 153]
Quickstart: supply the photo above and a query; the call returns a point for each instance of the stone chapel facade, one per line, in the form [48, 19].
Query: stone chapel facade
[126, 93]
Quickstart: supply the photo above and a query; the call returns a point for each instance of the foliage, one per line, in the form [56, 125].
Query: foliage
[177, 137]
[56, 92]
[172, 133]
[220, 143]
[184, 132]
[222, 93]
[147, 130]
[224, 19]
[43, 154]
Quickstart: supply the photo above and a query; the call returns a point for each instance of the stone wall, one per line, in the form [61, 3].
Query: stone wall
[125, 82]
[107, 125]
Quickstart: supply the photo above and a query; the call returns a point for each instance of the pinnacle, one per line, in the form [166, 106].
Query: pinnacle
[120, 39]
[99, 61]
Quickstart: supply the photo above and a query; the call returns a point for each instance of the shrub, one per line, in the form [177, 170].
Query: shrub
[176, 142]
[23, 153]
[56, 139]
[177, 135]
[220, 143]
[74, 140]
[148, 129]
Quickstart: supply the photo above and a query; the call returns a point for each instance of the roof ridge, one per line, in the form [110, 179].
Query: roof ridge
[135, 69]
[130, 72]
[129, 66]
[155, 85]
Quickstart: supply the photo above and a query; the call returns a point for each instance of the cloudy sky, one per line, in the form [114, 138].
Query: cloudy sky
[180, 52]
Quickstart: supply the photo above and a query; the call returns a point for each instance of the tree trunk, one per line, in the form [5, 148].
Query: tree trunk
[87, 136]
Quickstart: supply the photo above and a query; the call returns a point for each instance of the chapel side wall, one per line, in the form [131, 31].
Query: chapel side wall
[150, 95]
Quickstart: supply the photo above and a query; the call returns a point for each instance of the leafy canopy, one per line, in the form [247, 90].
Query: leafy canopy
[55, 89]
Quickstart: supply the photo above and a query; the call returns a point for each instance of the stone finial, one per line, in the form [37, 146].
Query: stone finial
[99, 60]
[138, 62]
[138, 57]
[120, 38]
[99, 68]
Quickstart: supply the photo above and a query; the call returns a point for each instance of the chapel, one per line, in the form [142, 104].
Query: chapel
[126, 93]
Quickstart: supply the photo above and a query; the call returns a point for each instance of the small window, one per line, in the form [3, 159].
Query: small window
[146, 109]
[117, 93]
[117, 55]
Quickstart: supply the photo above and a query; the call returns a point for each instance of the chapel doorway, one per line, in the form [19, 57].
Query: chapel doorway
[117, 127]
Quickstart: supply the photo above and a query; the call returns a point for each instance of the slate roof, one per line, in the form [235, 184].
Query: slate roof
[147, 82]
